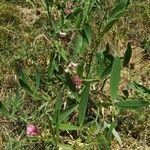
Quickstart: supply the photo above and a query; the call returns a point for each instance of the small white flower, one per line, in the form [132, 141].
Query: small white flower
[62, 34]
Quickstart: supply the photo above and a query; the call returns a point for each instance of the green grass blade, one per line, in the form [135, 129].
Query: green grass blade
[139, 88]
[80, 69]
[83, 104]
[59, 102]
[87, 34]
[100, 64]
[64, 115]
[115, 78]
[51, 67]
[127, 55]
[121, 6]
[103, 143]
[108, 26]
[17, 102]
[106, 72]
[3, 110]
[132, 104]
[23, 75]
[78, 44]
[38, 79]
[65, 146]
[25, 87]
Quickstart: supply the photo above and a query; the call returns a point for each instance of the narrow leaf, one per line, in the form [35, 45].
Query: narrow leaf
[25, 86]
[119, 7]
[100, 65]
[80, 69]
[108, 26]
[64, 115]
[64, 54]
[112, 131]
[103, 143]
[87, 34]
[106, 72]
[139, 88]
[58, 105]
[115, 78]
[16, 103]
[83, 104]
[23, 75]
[65, 146]
[68, 127]
[127, 55]
[38, 78]
[3, 110]
[51, 68]
[78, 44]
[132, 104]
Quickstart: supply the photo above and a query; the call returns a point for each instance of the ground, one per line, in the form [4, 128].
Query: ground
[25, 43]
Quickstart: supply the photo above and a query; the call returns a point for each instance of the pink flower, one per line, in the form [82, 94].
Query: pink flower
[62, 34]
[77, 82]
[32, 130]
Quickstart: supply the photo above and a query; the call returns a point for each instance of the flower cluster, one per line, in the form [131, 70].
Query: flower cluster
[72, 69]
[32, 130]
[77, 82]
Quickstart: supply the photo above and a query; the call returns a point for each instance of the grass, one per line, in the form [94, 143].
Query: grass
[34, 89]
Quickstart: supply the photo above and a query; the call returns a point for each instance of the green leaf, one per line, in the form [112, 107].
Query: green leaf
[119, 9]
[51, 66]
[115, 78]
[104, 62]
[87, 34]
[68, 127]
[108, 26]
[103, 143]
[64, 54]
[132, 104]
[111, 130]
[25, 87]
[3, 110]
[83, 104]
[79, 18]
[91, 4]
[65, 146]
[23, 75]
[139, 88]
[59, 102]
[80, 69]
[100, 64]
[65, 114]
[127, 55]
[106, 72]
[84, 46]
[16, 104]
[78, 44]
[38, 78]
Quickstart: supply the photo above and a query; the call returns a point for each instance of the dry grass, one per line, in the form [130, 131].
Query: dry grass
[134, 27]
